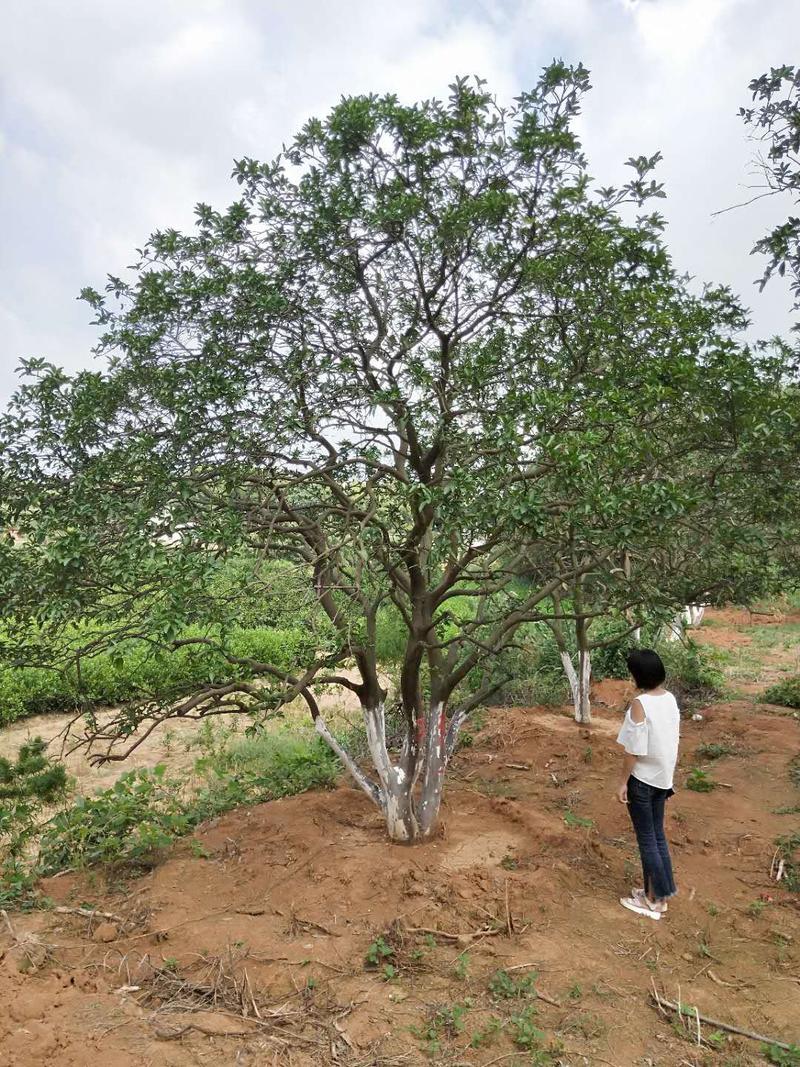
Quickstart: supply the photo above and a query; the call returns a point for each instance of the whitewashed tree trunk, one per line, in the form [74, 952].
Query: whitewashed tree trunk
[572, 678]
[579, 682]
[637, 634]
[409, 792]
[696, 613]
[583, 709]
[434, 765]
[674, 629]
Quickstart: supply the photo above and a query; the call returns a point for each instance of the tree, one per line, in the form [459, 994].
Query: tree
[776, 122]
[418, 358]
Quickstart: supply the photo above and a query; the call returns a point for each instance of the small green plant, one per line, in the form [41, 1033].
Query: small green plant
[485, 1036]
[573, 820]
[756, 908]
[699, 781]
[379, 952]
[509, 863]
[713, 909]
[716, 1038]
[575, 992]
[461, 967]
[587, 754]
[443, 1021]
[782, 1057]
[504, 986]
[524, 1031]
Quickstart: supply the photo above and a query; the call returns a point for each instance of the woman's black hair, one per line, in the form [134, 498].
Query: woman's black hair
[646, 667]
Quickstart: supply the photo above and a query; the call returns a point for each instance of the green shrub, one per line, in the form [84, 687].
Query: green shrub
[146, 810]
[693, 672]
[27, 786]
[786, 693]
[139, 816]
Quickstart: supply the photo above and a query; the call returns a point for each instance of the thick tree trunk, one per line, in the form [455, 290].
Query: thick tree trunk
[434, 756]
[409, 792]
[579, 683]
[583, 708]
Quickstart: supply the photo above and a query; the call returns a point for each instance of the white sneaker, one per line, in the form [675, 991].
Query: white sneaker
[638, 894]
[641, 908]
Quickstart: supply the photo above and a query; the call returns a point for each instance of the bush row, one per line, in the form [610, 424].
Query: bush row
[136, 668]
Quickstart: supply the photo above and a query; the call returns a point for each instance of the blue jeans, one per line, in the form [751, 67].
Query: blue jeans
[646, 807]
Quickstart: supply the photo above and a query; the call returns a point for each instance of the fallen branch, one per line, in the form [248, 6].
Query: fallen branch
[460, 939]
[683, 1010]
[91, 913]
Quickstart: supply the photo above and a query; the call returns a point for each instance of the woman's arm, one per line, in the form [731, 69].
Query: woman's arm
[628, 762]
[629, 759]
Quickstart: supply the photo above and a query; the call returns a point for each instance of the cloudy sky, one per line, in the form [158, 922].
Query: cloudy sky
[116, 116]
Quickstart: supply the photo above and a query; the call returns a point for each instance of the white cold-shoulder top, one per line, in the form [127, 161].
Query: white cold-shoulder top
[654, 741]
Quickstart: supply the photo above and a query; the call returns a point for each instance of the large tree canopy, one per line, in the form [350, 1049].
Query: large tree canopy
[420, 356]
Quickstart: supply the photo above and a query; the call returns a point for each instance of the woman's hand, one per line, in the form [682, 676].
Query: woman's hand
[622, 792]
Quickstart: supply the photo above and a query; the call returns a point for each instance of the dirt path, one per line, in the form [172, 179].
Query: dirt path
[286, 900]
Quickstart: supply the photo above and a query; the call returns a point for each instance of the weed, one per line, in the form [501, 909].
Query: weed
[589, 1025]
[379, 952]
[713, 909]
[504, 986]
[444, 1021]
[587, 754]
[485, 1036]
[461, 967]
[571, 819]
[509, 863]
[524, 1033]
[714, 750]
[575, 992]
[782, 1057]
[756, 908]
[700, 781]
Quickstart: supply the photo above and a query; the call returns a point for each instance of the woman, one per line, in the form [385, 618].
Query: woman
[649, 735]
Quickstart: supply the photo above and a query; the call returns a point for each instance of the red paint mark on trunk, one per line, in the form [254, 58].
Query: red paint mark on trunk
[420, 729]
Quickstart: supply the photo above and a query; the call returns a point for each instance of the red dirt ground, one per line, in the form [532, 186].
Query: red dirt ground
[290, 895]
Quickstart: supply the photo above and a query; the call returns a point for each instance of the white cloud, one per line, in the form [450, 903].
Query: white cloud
[117, 118]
